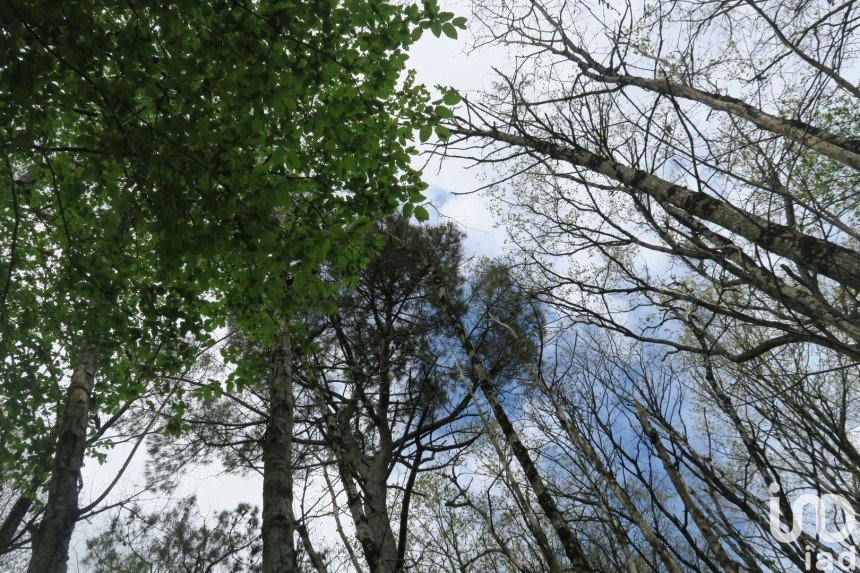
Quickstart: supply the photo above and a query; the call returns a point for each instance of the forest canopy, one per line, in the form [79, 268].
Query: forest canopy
[218, 252]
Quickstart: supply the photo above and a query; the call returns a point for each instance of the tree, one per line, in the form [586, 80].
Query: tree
[375, 401]
[165, 181]
[178, 540]
[496, 348]
[385, 394]
[686, 178]
[727, 205]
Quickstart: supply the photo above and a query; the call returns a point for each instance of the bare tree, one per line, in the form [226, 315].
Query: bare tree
[720, 209]
[683, 174]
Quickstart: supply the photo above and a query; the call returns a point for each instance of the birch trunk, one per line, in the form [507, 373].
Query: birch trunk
[51, 541]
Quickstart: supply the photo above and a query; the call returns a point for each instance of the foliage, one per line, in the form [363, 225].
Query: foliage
[170, 166]
[178, 539]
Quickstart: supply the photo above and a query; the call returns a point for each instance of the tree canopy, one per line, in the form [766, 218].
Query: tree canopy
[218, 254]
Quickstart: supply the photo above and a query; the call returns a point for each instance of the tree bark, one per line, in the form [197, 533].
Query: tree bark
[818, 255]
[51, 541]
[375, 491]
[16, 516]
[572, 548]
[279, 551]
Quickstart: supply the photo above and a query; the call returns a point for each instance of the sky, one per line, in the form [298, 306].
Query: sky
[452, 185]
[442, 61]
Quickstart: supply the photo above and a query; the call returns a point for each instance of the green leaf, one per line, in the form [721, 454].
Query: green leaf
[421, 213]
[451, 97]
[444, 112]
[425, 133]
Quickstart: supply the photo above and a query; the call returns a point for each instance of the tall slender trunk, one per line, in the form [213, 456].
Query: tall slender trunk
[608, 479]
[279, 551]
[572, 548]
[522, 499]
[10, 526]
[711, 537]
[51, 541]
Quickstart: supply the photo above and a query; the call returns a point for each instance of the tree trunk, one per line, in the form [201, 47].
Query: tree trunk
[315, 558]
[572, 548]
[570, 543]
[608, 478]
[375, 491]
[725, 561]
[51, 541]
[836, 147]
[17, 513]
[369, 507]
[279, 552]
